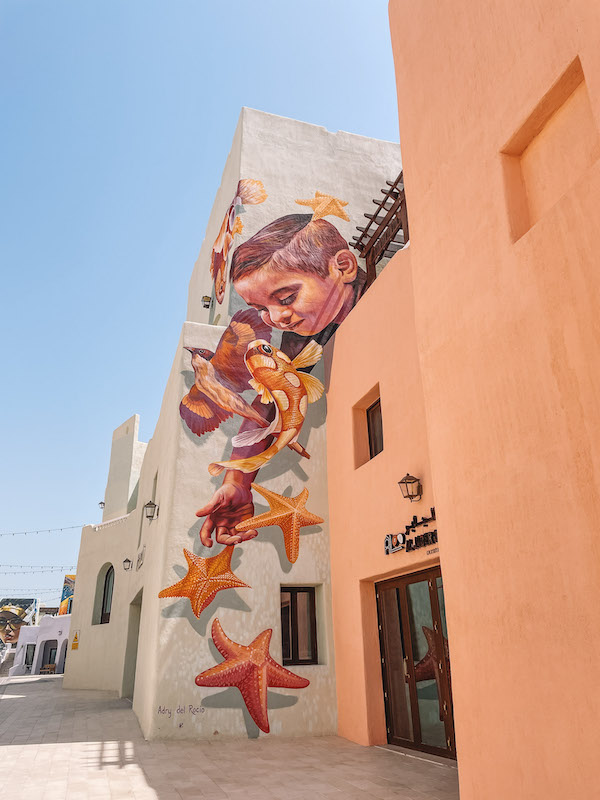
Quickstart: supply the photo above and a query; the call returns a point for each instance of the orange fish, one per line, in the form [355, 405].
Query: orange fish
[277, 380]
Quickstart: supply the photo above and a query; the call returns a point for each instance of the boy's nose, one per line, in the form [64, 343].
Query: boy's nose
[280, 315]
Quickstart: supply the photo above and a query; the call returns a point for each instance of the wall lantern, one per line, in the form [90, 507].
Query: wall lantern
[206, 301]
[101, 504]
[150, 510]
[127, 564]
[411, 488]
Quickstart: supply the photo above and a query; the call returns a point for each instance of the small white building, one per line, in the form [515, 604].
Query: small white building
[42, 645]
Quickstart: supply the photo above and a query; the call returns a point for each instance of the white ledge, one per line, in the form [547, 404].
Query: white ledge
[110, 522]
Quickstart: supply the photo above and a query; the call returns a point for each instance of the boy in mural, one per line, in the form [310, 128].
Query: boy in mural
[299, 274]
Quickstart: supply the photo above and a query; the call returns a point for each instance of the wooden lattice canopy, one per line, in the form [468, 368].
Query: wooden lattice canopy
[387, 229]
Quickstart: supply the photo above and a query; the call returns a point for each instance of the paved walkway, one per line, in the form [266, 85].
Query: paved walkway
[69, 745]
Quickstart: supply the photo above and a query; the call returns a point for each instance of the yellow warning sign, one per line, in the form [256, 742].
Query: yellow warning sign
[75, 642]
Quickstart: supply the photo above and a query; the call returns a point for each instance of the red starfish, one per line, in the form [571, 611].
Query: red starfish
[251, 669]
[205, 577]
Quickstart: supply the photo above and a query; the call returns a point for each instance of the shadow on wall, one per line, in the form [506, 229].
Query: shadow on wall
[231, 698]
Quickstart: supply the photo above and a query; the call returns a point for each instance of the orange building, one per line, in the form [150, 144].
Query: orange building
[481, 341]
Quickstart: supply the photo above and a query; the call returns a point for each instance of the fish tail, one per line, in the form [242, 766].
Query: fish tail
[253, 463]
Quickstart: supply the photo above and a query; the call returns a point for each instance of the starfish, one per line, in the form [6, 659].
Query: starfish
[428, 668]
[250, 669]
[287, 512]
[205, 577]
[324, 205]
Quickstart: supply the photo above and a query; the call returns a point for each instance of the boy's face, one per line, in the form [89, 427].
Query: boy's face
[302, 302]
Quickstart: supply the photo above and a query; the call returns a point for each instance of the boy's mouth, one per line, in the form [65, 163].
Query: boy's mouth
[293, 326]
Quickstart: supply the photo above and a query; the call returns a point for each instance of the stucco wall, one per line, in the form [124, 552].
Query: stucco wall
[373, 350]
[507, 331]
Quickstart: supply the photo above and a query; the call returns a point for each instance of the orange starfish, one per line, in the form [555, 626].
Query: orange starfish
[287, 512]
[324, 205]
[205, 577]
[250, 669]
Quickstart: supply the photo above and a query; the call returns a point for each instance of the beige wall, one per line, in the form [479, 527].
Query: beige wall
[505, 272]
[126, 457]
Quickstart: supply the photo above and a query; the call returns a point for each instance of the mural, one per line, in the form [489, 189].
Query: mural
[300, 279]
[219, 377]
[277, 380]
[205, 577]
[14, 613]
[67, 594]
[250, 669]
[289, 513]
[249, 192]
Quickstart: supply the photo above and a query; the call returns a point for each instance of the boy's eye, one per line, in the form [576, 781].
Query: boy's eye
[287, 301]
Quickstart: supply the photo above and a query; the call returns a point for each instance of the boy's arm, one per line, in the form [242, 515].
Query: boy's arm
[232, 501]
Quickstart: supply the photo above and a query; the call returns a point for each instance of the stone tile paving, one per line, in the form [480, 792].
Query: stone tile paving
[74, 745]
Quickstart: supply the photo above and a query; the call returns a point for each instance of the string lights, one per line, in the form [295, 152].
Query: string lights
[33, 570]
[42, 530]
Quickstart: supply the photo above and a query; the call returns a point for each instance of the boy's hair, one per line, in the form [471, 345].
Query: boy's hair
[293, 242]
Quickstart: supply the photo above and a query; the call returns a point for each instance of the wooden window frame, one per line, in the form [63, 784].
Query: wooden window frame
[312, 621]
[372, 451]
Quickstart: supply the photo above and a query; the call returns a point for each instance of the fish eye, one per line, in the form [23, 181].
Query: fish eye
[266, 348]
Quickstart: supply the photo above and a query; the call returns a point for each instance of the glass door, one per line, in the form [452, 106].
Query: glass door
[416, 662]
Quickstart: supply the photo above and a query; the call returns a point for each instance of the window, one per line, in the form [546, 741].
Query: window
[298, 625]
[375, 428]
[109, 582]
[29, 652]
[367, 427]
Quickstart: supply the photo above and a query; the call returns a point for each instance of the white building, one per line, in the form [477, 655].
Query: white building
[151, 649]
[42, 645]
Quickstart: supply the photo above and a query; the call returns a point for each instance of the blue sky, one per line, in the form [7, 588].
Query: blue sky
[117, 120]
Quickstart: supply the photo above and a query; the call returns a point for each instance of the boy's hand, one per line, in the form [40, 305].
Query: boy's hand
[230, 504]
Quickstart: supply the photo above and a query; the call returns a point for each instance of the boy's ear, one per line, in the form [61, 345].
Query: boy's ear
[346, 262]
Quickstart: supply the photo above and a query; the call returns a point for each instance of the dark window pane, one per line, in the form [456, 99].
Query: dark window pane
[286, 625]
[298, 625]
[107, 595]
[375, 429]
[304, 626]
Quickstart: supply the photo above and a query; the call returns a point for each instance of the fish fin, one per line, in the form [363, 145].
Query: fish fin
[314, 387]
[255, 435]
[253, 463]
[238, 226]
[309, 355]
[265, 394]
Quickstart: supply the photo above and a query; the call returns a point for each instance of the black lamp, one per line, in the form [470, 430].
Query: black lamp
[102, 504]
[150, 510]
[411, 488]
[206, 301]
[127, 564]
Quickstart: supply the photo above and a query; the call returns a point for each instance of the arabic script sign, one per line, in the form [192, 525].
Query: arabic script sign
[409, 540]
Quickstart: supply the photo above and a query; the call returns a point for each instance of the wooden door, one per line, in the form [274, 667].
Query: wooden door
[416, 662]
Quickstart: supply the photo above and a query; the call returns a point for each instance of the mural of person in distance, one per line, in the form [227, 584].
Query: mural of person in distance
[13, 615]
[303, 280]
